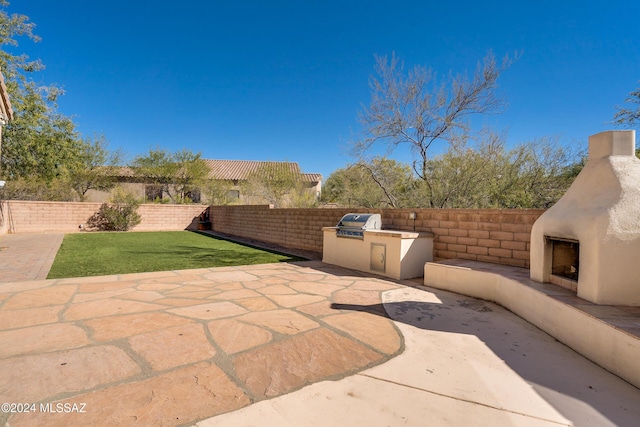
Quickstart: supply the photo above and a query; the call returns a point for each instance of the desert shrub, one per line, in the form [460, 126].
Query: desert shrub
[57, 190]
[119, 214]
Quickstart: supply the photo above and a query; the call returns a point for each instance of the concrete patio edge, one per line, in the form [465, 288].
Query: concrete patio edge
[613, 349]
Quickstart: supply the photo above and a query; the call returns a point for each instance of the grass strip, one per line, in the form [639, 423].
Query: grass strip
[96, 254]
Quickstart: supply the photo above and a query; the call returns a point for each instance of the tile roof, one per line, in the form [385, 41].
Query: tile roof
[242, 169]
[239, 169]
[312, 177]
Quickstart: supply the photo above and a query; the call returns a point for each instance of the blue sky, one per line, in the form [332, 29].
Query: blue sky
[284, 80]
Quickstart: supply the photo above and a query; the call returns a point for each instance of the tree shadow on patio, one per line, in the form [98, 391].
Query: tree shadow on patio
[577, 388]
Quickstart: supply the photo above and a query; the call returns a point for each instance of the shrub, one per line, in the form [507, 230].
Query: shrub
[120, 214]
[56, 190]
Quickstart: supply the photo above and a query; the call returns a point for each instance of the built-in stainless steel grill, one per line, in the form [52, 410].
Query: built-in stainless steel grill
[353, 225]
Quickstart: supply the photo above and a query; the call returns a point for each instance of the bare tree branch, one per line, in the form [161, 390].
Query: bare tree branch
[629, 116]
[412, 108]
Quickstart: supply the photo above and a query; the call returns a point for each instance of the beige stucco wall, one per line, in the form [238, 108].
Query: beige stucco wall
[136, 189]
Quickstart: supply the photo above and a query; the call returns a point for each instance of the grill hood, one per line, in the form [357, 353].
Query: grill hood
[354, 224]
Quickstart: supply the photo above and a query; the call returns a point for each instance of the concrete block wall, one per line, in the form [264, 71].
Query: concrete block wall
[499, 236]
[293, 228]
[156, 217]
[18, 216]
[41, 217]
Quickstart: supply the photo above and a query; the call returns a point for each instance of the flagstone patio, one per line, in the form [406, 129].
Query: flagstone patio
[172, 348]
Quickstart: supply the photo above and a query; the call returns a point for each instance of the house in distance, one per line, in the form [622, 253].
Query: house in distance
[228, 182]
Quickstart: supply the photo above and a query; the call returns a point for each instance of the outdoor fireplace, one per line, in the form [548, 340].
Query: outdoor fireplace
[590, 239]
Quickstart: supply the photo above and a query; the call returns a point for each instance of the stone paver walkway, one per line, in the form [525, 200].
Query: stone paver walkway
[173, 348]
[27, 256]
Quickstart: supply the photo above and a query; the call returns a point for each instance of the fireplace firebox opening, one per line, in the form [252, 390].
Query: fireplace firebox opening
[565, 259]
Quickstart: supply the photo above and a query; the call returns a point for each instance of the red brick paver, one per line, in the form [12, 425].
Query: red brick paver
[27, 256]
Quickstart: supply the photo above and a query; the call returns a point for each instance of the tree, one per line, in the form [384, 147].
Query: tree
[94, 168]
[414, 109]
[154, 169]
[34, 188]
[301, 197]
[217, 192]
[177, 174]
[629, 115]
[277, 183]
[39, 143]
[539, 168]
[463, 176]
[394, 179]
[351, 187]
[190, 173]
[481, 175]
[380, 183]
[530, 175]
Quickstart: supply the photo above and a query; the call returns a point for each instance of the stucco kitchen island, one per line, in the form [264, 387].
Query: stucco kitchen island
[391, 253]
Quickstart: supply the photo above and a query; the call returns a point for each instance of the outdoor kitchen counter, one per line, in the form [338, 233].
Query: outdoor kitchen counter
[393, 253]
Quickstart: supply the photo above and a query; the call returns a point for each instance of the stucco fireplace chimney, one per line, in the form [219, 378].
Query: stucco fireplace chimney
[592, 234]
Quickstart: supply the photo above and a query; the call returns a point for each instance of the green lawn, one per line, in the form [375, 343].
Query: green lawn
[95, 254]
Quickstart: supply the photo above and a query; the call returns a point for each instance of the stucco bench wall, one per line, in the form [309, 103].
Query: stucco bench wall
[540, 304]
